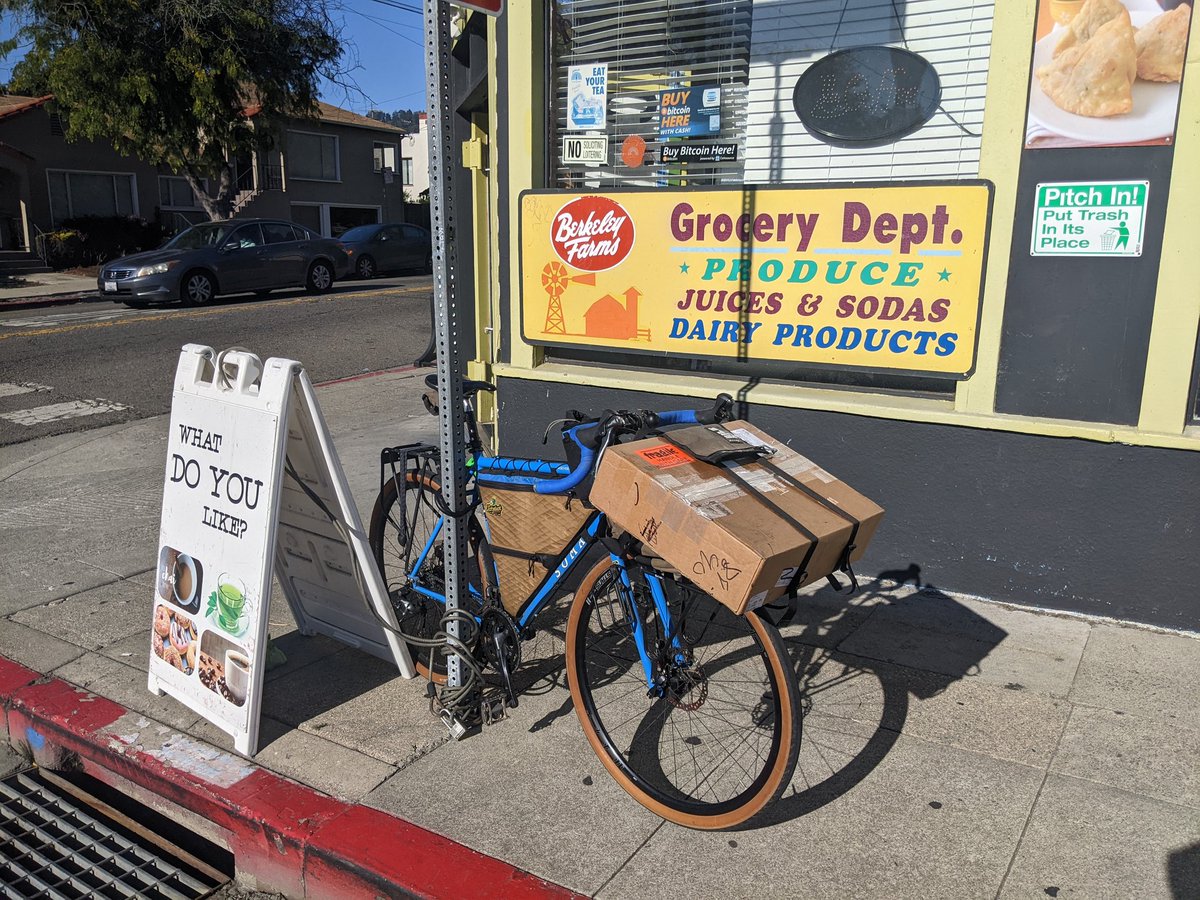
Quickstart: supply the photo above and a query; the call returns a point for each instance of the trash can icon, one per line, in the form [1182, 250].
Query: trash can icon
[1108, 240]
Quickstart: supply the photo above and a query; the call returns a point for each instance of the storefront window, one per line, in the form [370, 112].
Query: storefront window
[773, 93]
[703, 93]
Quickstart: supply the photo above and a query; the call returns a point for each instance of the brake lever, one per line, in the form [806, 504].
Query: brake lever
[724, 407]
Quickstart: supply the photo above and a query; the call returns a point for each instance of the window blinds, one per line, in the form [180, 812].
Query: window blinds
[756, 50]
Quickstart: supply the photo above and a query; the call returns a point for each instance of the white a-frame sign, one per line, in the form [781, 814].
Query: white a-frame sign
[254, 486]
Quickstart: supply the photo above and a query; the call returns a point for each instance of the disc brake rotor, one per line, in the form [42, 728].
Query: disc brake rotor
[688, 689]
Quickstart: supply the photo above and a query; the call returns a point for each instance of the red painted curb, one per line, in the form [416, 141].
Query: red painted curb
[284, 835]
[364, 375]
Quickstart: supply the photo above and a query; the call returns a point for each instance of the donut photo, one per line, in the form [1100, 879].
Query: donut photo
[173, 639]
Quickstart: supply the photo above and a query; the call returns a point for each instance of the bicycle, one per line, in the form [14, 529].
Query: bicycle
[692, 709]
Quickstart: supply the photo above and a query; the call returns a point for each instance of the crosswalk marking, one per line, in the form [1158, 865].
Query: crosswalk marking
[56, 412]
[8, 389]
[62, 318]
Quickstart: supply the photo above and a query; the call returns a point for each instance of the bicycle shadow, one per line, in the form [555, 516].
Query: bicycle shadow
[860, 659]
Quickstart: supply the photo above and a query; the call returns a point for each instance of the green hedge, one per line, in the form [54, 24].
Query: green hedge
[62, 249]
[91, 240]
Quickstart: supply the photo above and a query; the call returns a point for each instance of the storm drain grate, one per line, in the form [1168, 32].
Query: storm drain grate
[51, 846]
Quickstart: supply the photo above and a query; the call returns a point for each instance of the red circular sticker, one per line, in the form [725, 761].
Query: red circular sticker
[592, 233]
[633, 151]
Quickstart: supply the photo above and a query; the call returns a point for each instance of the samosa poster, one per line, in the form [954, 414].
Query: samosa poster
[1107, 73]
[879, 277]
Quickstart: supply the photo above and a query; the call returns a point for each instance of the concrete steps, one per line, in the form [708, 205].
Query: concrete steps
[20, 263]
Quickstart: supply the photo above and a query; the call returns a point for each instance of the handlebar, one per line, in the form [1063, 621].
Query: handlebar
[593, 438]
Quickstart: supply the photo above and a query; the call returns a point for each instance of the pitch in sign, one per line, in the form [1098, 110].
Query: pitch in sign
[1105, 218]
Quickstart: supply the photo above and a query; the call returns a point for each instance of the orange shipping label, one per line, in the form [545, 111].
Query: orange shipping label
[664, 456]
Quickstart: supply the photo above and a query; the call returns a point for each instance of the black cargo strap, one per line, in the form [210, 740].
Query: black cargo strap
[545, 560]
[801, 573]
[843, 564]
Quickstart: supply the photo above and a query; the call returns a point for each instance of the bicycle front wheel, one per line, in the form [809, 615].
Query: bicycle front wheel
[719, 746]
[400, 534]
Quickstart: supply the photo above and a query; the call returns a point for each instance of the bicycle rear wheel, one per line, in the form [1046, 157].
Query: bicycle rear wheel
[720, 746]
[398, 538]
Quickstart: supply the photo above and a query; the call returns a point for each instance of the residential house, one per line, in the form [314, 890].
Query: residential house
[329, 174]
[414, 166]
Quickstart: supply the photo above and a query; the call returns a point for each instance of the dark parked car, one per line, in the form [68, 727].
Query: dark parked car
[389, 248]
[233, 257]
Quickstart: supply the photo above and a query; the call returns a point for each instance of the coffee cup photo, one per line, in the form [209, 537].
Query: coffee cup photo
[185, 580]
[237, 674]
[180, 578]
[224, 667]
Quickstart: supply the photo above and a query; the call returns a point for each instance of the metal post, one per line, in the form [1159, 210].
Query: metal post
[449, 365]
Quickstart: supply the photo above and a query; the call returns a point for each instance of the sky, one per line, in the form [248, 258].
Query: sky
[383, 51]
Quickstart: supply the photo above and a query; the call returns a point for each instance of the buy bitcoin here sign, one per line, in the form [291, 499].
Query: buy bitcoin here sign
[870, 278]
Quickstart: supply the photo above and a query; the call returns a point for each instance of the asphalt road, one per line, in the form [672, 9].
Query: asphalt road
[67, 368]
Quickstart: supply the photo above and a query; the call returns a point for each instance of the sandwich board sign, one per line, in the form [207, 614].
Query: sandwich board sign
[254, 488]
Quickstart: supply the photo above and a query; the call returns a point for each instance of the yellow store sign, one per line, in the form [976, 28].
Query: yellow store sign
[865, 277]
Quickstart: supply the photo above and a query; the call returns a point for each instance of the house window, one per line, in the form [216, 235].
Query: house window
[385, 157]
[75, 194]
[310, 216]
[174, 192]
[407, 176]
[313, 157]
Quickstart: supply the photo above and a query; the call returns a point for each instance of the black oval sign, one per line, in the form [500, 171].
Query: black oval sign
[867, 96]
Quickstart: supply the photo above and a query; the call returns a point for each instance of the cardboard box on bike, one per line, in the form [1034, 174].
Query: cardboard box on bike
[736, 529]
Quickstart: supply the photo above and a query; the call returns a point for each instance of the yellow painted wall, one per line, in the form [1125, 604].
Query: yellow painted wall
[1177, 308]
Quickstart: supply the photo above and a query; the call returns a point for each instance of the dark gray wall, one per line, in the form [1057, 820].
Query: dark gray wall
[1077, 330]
[1060, 523]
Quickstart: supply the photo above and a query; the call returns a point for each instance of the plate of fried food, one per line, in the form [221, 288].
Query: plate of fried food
[1112, 74]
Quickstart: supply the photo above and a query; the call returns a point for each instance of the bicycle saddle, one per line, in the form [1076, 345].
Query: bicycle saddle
[469, 385]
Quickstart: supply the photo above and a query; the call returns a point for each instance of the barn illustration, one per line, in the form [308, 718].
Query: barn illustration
[607, 318]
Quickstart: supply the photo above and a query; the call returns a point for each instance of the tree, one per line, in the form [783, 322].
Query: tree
[188, 84]
[408, 119]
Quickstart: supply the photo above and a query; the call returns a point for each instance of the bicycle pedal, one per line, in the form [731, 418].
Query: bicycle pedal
[493, 710]
[452, 722]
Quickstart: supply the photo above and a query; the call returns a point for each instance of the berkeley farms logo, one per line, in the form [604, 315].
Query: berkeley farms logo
[592, 233]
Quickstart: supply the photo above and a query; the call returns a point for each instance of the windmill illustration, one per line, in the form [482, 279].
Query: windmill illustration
[555, 278]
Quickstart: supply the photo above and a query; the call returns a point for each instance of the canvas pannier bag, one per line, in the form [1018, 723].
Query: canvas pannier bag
[528, 531]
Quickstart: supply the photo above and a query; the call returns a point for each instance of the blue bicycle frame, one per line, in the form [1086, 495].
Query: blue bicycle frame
[550, 477]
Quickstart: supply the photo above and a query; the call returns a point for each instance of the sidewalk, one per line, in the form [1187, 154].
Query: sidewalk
[47, 287]
[952, 747]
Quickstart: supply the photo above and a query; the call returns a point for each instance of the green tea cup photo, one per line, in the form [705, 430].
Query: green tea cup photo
[231, 601]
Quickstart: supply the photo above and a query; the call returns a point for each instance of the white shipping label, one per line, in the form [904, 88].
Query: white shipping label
[712, 509]
[756, 601]
[708, 490]
[762, 480]
[799, 465]
[786, 576]
[752, 439]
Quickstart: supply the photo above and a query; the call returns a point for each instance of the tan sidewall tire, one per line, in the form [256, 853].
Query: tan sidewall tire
[789, 711]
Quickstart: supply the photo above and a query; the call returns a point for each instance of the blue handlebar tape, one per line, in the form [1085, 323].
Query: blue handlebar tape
[678, 417]
[588, 455]
[559, 485]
